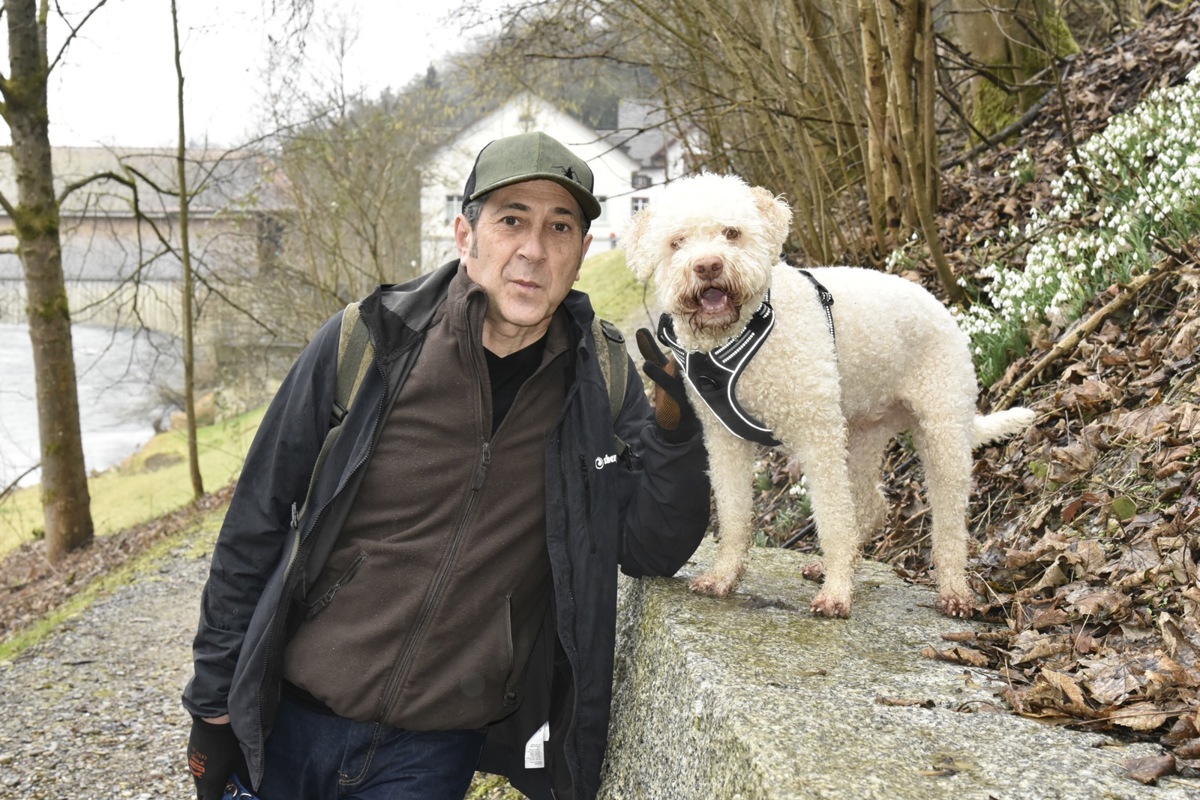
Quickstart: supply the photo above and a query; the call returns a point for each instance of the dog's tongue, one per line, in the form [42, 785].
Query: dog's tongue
[713, 299]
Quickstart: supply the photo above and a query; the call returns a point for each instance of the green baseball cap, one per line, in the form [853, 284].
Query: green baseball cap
[531, 157]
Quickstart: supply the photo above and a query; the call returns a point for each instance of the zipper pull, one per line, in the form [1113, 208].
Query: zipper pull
[295, 516]
[484, 462]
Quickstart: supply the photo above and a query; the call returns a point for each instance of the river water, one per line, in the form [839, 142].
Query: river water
[127, 382]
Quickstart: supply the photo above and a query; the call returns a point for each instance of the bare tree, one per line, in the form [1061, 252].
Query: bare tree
[348, 179]
[185, 251]
[1012, 49]
[35, 214]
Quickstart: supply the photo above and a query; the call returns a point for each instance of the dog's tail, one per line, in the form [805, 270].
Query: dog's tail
[1001, 425]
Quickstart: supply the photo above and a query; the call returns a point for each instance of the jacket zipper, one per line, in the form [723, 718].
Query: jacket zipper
[322, 602]
[400, 670]
[510, 692]
[571, 648]
[587, 503]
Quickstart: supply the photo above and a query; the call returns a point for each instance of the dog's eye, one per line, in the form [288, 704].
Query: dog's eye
[732, 234]
[677, 243]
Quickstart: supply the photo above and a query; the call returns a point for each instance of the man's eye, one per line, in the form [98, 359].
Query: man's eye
[562, 227]
[510, 221]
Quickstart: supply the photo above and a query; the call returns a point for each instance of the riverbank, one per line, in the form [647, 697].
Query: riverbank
[128, 382]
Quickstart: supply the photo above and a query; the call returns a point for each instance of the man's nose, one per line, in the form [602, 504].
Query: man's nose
[532, 247]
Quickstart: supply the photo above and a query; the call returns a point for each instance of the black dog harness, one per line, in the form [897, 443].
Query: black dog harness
[714, 374]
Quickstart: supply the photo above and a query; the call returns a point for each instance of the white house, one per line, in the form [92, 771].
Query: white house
[622, 184]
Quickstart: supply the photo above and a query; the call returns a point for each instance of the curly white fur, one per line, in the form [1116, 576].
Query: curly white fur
[900, 362]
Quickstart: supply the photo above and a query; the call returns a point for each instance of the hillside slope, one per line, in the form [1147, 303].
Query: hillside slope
[1087, 527]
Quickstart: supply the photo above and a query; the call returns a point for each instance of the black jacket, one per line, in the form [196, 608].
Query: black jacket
[646, 514]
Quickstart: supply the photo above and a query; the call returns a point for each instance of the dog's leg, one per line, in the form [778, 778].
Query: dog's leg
[945, 449]
[822, 450]
[867, 443]
[731, 462]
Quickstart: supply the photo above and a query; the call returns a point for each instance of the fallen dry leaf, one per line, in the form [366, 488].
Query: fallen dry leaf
[1148, 770]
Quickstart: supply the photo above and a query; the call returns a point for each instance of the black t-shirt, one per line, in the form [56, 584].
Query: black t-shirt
[508, 373]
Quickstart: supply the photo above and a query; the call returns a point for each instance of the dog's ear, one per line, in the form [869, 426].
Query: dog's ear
[639, 255]
[776, 214]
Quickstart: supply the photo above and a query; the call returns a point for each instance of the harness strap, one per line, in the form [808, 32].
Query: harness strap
[826, 298]
[714, 374]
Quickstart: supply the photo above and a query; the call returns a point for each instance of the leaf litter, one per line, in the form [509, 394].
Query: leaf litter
[1085, 529]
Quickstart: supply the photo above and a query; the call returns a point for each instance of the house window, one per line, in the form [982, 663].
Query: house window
[636, 204]
[453, 207]
[603, 209]
[641, 181]
[270, 238]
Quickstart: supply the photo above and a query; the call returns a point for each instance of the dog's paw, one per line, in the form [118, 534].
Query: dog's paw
[824, 605]
[714, 585]
[955, 605]
[814, 571]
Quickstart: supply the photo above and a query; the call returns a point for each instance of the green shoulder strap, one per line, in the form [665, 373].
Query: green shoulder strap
[610, 349]
[355, 353]
[614, 366]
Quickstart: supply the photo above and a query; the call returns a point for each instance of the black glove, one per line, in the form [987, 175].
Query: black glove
[672, 411]
[214, 755]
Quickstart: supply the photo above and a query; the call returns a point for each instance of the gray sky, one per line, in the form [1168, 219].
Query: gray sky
[116, 84]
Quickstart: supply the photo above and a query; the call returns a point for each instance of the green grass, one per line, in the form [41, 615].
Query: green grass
[152, 482]
[616, 294]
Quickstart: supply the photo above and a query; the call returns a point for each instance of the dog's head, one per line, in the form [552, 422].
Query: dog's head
[709, 241]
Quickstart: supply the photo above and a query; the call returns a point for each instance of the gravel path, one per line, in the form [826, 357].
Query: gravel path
[93, 711]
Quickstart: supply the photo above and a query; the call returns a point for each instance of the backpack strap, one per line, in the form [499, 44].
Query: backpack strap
[355, 354]
[610, 349]
[614, 367]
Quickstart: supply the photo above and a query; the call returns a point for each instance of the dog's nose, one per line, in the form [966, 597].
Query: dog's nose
[707, 268]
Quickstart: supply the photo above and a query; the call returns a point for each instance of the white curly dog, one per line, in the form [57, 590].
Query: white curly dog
[833, 389]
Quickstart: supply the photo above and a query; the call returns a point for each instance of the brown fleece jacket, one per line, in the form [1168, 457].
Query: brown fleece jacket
[426, 611]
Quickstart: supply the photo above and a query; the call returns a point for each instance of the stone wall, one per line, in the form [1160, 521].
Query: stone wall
[754, 698]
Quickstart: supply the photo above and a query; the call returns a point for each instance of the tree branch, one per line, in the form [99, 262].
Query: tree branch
[74, 32]
[99, 176]
[8, 207]
[1069, 342]
[12, 487]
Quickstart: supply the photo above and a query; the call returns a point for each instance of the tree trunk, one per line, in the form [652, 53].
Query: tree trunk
[185, 254]
[65, 499]
[902, 27]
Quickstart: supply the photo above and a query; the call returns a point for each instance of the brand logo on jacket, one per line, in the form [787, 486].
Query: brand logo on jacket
[611, 458]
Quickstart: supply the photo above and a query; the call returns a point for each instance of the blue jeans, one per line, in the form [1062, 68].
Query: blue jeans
[316, 756]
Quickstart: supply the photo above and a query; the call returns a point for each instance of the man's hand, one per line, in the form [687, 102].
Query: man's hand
[214, 755]
[672, 411]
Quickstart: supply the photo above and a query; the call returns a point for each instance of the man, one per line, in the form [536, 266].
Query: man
[445, 598]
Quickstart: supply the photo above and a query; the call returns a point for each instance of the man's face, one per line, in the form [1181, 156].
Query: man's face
[525, 251]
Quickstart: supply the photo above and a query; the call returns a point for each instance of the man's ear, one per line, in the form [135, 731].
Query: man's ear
[776, 215]
[639, 249]
[462, 236]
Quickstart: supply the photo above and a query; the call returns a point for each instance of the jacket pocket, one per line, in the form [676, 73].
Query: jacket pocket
[321, 603]
[511, 695]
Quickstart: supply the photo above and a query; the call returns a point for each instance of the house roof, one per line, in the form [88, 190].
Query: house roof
[220, 181]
